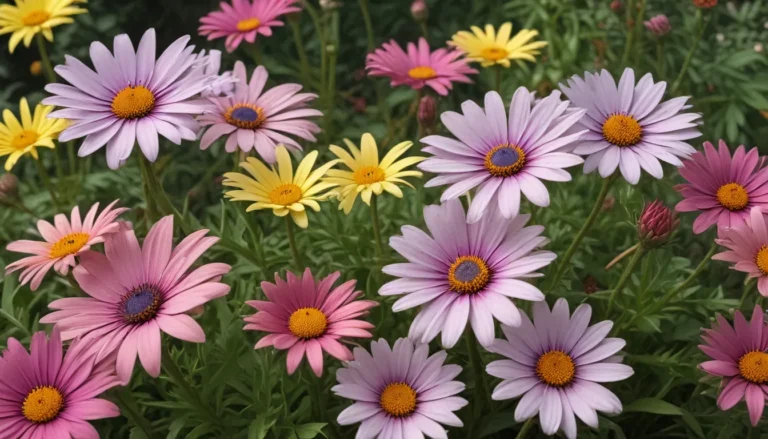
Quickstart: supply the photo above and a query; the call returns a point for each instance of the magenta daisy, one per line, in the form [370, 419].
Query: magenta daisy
[503, 156]
[400, 392]
[629, 127]
[465, 272]
[738, 355]
[307, 317]
[47, 393]
[244, 20]
[64, 239]
[723, 188]
[747, 244]
[419, 67]
[556, 363]
[253, 118]
[136, 292]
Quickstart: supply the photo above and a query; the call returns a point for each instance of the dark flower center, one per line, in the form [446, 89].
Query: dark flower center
[141, 305]
[466, 271]
[505, 157]
[245, 114]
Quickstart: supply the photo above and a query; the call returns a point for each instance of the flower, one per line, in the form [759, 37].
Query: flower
[658, 25]
[367, 175]
[722, 187]
[419, 10]
[136, 292]
[490, 48]
[131, 96]
[656, 224]
[705, 4]
[67, 239]
[419, 67]
[17, 139]
[503, 159]
[307, 317]
[221, 84]
[556, 363]
[252, 118]
[747, 244]
[48, 393]
[281, 190]
[30, 17]
[628, 127]
[738, 355]
[465, 271]
[400, 391]
[244, 20]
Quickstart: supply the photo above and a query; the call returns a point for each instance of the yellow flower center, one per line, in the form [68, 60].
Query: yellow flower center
[42, 404]
[24, 139]
[245, 116]
[622, 130]
[422, 72]
[761, 259]
[555, 368]
[285, 194]
[69, 245]
[369, 175]
[505, 160]
[753, 367]
[398, 399]
[494, 53]
[468, 275]
[733, 196]
[133, 102]
[248, 24]
[35, 18]
[307, 323]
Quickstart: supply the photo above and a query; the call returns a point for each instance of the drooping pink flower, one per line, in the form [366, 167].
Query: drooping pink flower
[245, 20]
[747, 244]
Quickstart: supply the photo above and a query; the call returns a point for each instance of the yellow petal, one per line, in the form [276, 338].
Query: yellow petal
[11, 122]
[302, 172]
[300, 218]
[353, 149]
[26, 116]
[317, 174]
[345, 157]
[402, 164]
[366, 196]
[370, 151]
[504, 32]
[392, 189]
[394, 153]
[284, 164]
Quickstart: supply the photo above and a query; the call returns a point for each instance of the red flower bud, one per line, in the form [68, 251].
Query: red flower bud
[427, 113]
[705, 4]
[656, 224]
[9, 187]
[419, 10]
[616, 5]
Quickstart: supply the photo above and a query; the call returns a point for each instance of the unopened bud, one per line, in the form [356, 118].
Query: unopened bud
[616, 6]
[656, 224]
[427, 113]
[608, 203]
[36, 68]
[329, 5]
[9, 187]
[705, 4]
[359, 104]
[658, 25]
[419, 10]
[590, 285]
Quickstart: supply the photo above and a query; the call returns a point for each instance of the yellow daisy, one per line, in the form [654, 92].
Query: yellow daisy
[281, 190]
[17, 139]
[368, 176]
[30, 17]
[489, 48]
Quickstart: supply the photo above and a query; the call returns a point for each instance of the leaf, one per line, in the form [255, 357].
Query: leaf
[309, 431]
[693, 423]
[655, 406]
[9, 291]
[175, 428]
[649, 324]
[136, 433]
[260, 427]
[496, 423]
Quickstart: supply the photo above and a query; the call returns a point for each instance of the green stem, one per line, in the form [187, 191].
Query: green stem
[172, 369]
[155, 193]
[481, 396]
[130, 409]
[625, 276]
[630, 33]
[424, 30]
[151, 212]
[71, 156]
[497, 71]
[638, 31]
[47, 182]
[660, 58]
[748, 283]
[292, 242]
[526, 428]
[50, 75]
[368, 25]
[701, 26]
[299, 42]
[376, 227]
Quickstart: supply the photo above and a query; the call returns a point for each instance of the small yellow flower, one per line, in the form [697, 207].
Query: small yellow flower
[17, 139]
[489, 48]
[281, 190]
[368, 176]
[30, 17]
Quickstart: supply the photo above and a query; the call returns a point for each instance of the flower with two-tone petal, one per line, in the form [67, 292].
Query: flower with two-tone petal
[747, 244]
[28, 18]
[34, 131]
[497, 48]
[245, 20]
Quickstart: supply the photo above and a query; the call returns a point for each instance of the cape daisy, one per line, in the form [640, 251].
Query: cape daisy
[491, 48]
[747, 244]
[31, 17]
[245, 20]
[19, 138]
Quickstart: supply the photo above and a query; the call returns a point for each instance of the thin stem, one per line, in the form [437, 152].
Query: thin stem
[47, 182]
[497, 71]
[151, 212]
[482, 396]
[172, 369]
[292, 242]
[638, 31]
[621, 256]
[130, 409]
[630, 33]
[701, 26]
[625, 277]
[526, 428]
[368, 25]
[50, 75]
[71, 156]
[748, 283]
[660, 58]
[424, 31]
[299, 42]
[376, 227]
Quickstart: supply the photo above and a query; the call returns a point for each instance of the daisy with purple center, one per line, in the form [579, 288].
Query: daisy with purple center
[245, 20]
[747, 244]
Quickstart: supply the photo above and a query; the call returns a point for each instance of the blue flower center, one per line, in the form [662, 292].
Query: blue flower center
[504, 157]
[141, 305]
[245, 114]
[467, 271]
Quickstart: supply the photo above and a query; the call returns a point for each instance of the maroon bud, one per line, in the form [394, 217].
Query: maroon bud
[419, 10]
[656, 224]
[358, 75]
[590, 285]
[658, 25]
[705, 4]
[9, 187]
[427, 113]
[608, 203]
[616, 6]
[359, 104]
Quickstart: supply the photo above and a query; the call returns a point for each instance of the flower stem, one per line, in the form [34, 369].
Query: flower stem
[50, 75]
[660, 59]
[625, 277]
[621, 256]
[172, 369]
[630, 33]
[497, 72]
[130, 409]
[292, 242]
[482, 397]
[71, 156]
[368, 25]
[526, 428]
[299, 42]
[47, 182]
[151, 211]
[687, 63]
[376, 227]
[747, 288]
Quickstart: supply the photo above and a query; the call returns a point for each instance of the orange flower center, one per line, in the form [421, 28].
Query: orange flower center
[69, 244]
[398, 400]
[248, 24]
[422, 72]
[35, 18]
[133, 102]
[555, 368]
[761, 259]
[307, 323]
[494, 53]
[245, 116]
[42, 404]
[622, 130]
[24, 139]
[285, 194]
[733, 196]
[368, 175]
[753, 367]
[468, 275]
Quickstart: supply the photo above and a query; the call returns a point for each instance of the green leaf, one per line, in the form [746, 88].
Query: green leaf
[693, 423]
[655, 406]
[649, 324]
[175, 428]
[309, 431]
[260, 427]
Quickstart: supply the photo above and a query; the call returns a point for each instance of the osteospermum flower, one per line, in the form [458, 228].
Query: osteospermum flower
[723, 188]
[131, 97]
[308, 318]
[400, 391]
[137, 292]
[47, 393]
[491, 48]
[419, 67]
[503, 156]
[281, 190]
[747, 244]
[65, 239]
[255, 119]
[244, 20]
[556, 363]
[17, 139]
[465, 272]
[30, 17]
[629, 127]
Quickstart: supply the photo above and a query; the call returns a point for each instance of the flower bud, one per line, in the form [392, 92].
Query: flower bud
[329, 5]
[359, 104]
[658, 25]
[9, 187]
[36, 68]
[608, 203]
[705, 4]
[427, 113]
[419, 10]
[656, 224]
[590, 285]
[616, 6]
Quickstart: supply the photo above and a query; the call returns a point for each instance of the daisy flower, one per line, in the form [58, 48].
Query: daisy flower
[503, 155]
[281, 190]
[367, 175]
[137, 292]
[131, 97]
[256, 119]
[419, 67]
[65, 239]
[307, 318]
[221, 84]
[244, 20]
[51, 394]
[490, 48]
[723, 188]
[17, 139]
[31, 17]
[629, 127]
[465, 272]
[400, 391]
[747, 244]
[556, 363]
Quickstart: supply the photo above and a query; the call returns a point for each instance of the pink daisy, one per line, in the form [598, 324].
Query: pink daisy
[64, 240]
[137, 292]
[244, 20]
[747, 244]
[49, 394]
[722, 187]
[556, 363]
[307, 317]
[254, 118]
[419, 67]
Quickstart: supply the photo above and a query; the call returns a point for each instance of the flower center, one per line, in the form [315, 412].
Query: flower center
[398, 399]
[505, 160]
[468, 275]
[622, 130]
[42, 404]
[35, 18]
[285, 194]
[761, 259]
[24, 139]
[494, 53]
[133, 102]
[141, 305]
[248, 24]
[753, 367]
[555, 368]
[245, 116]
[369, 175]
[422, 72]
[307, 323]
[69, 245]
[733, 196]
